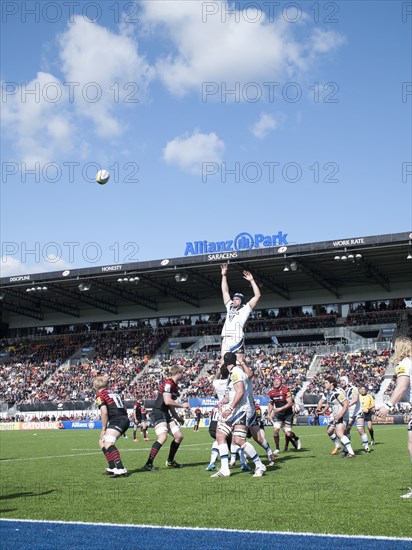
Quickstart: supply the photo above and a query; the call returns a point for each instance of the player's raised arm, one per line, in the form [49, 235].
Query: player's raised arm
[225, 287]
[256, 292]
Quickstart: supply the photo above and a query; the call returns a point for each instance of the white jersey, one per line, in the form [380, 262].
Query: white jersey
[350, 392]
[335, 399]
[251, 411]
[238, 376]
[404, 368]
[221, 388]
[235, 321]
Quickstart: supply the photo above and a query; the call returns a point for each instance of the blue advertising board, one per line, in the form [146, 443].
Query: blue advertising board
[82, 424]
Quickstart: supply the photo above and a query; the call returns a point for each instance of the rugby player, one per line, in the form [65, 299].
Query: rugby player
[335, 401]
[403, 360]
[137, 418]
[355, 411]
[220, 387]
[115, 423]
[237, 313]
[221, 445]
[143, 425]
[235, 417]
[198, 415]
[254, 420]
[368, 407]
[166, 419]
[280, 413]
[214, 416]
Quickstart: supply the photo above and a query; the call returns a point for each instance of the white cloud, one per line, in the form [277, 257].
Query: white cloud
[189, 153]
[94, 60]
[40, 126]
[10, 266]
[262, 127]
[325, 41]
[230, 48]
[99, 61]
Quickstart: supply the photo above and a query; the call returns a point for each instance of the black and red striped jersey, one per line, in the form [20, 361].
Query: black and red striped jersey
[137, 409]
[112, 401]
[167, 386]
[279, 396]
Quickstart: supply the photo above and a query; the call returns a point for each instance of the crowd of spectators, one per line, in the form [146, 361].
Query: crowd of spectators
[29, 364]
[33, 371]
[373, 318]
[30, 417]
[37, 353]
[139, 342]
[391, 386]
[365, 368]
[291, 366]
[147, 384]
[20, 383]
[262, 324]
[376, 313]
[75, 382]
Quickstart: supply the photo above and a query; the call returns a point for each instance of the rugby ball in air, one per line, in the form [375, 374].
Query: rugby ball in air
[102, 177]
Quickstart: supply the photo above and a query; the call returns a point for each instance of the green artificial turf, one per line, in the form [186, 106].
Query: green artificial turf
[57, 475]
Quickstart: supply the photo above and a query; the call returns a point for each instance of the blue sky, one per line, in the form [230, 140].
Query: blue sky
[312, 141]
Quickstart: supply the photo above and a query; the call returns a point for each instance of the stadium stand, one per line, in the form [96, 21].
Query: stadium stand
[364, 368]
[60, 368]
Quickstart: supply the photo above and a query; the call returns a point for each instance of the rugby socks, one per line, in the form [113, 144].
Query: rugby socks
[224, 457]
[364, 438]
[287, 441]
[371, 434]
[277, 439]
[294, 439]
[252, 454]
[107, 457]
[134, 434]
[144, 433]
[242, 456]
[153, 452]
[233, 450]
[214, 453]
[265, 445]
[335, 440]
[114, 455]
[346, 443]
[173, 450]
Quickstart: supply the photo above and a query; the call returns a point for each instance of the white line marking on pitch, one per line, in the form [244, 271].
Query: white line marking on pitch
[123, 450]
[96, 452]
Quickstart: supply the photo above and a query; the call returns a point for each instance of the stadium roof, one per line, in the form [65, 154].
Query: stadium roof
[375, 266]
